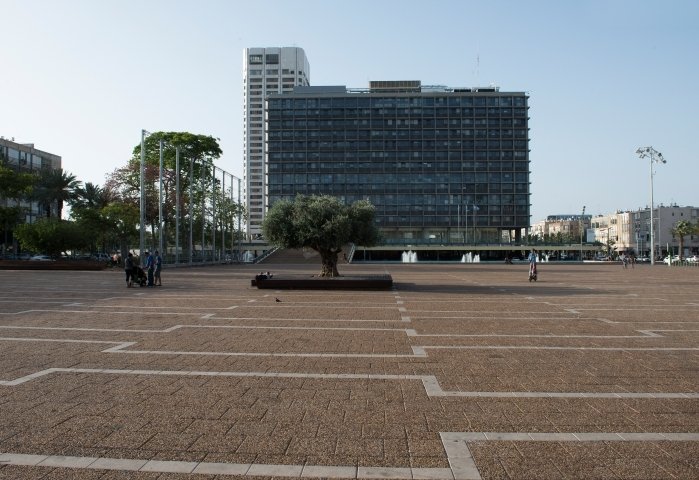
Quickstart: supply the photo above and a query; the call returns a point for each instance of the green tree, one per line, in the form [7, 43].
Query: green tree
[14, 188]
[91, 196]
[122, 221]
[87, 206]
[53, 188]
[681, 229]
[323, 223]
[51, 236]
[194, 149]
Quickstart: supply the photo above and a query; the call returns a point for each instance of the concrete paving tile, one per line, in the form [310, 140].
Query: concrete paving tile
[319, 471]
[66, 461]
[275, 470]
[312, 446]
[366, 446]
[432, 474]
[221, 469]
[217, 443]
[118, 464]
[169, 466]
[13, 472]
[63, 473]
[383, 472]
[21, 459]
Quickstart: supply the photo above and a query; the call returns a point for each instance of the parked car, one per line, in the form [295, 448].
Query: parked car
[693, 259]
[41, 258]
[673, 259]
[101, 257]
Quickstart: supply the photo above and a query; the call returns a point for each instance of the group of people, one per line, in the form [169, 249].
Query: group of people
[153, 266]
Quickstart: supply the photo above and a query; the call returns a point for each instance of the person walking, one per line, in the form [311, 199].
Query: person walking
[158, 267]
[129, 269]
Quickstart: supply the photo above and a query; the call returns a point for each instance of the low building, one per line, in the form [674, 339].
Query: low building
[630, 230]
[23, 157]
[567, 227]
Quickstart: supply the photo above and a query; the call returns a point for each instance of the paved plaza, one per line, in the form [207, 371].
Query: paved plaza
[462, 371]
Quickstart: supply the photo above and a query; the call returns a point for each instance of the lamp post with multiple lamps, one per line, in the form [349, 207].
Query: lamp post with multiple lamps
[581, 224]
[655, 157]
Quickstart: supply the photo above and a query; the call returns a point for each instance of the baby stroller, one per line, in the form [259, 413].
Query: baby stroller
[532, 272]
[140, 277]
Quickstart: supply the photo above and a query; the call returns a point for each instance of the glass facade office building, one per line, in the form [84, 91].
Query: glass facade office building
[441, 165]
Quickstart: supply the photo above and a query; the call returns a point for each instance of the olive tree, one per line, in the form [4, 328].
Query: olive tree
[323, 223]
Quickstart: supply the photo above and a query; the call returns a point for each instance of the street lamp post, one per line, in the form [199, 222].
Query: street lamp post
[655, 157]
[581, 223]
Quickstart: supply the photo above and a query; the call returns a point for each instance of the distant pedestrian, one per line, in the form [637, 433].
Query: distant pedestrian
[624, 261]
[158, 268]
[150, 268]
[532, 265]
[129, 269]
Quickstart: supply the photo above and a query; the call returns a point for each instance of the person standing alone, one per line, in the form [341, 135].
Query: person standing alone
[158, 268]
[129, 269]
[532, 265]
[150, 267]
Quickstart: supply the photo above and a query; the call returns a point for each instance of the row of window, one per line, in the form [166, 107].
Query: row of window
[504, 222]
[388, 161]
[454, 146]
[467, 191]
[400, 124]
[17, 158]
[423, 158]
[362, 100]
[396, 124]
[418, 196]
[407, 137]
[301, 176]
[385, 113]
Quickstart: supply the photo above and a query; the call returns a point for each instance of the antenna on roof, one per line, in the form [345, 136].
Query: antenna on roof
[478, 65]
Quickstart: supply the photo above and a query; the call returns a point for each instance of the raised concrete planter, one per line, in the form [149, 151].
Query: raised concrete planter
[304, 282]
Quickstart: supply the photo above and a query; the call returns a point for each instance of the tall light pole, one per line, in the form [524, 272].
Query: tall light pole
[655, 157]
[142, 203]
[581, 233]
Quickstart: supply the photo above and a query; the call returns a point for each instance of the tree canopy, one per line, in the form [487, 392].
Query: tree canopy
[323, 223]
[51, 236]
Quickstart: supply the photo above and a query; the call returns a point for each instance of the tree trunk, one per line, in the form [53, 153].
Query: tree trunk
[329, 264]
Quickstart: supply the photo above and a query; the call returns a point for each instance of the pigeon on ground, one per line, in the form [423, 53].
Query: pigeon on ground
[276, 299]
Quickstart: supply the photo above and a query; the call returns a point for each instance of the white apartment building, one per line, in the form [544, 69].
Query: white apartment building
[630, 231]
[265, 71]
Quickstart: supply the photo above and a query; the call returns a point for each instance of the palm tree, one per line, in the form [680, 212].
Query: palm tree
[681, 230]
[91, 196]
[55, 187]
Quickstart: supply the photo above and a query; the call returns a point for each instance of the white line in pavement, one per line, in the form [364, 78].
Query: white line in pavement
[194, 314]
[417, 350]
[429, 382]
[464, 468]
[530, 347]
[461, 463]
[410, 332]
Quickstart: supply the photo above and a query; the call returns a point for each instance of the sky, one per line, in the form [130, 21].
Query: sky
[81, 78]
